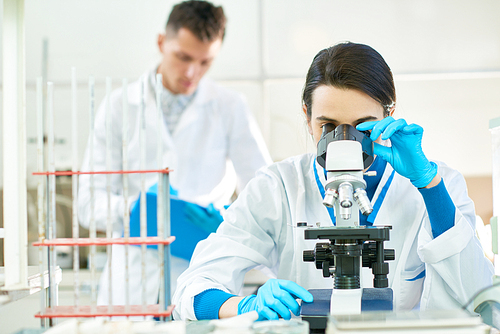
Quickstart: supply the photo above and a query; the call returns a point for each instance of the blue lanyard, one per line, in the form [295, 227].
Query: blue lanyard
[376, 207]
[380, 199]
[322, 191]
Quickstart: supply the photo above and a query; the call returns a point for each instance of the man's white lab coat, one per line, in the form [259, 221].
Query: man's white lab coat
[215, 131]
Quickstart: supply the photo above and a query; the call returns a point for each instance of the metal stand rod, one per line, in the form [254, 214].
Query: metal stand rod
[166, 228]
[74, 185]
[143, 216]
[92, 225]
[41, 218]
[159, 201]
[109, 227]
[126, 213]
[51, 196]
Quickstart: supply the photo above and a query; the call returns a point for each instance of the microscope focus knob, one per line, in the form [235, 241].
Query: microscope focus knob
[326, 269]
[318, 255]
[321, 252]
[370, 255]
[308, 256]
[389, 255]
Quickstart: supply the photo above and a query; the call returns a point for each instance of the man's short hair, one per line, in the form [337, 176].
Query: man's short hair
[202, 18]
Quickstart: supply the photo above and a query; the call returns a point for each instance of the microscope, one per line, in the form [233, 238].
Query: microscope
[345, 153]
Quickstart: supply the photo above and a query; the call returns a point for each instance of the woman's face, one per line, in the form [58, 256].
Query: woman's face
[340, 106]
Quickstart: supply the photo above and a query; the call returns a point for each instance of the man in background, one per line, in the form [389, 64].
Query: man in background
[211, 142]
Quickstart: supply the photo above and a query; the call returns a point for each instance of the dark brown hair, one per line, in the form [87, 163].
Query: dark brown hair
[202, 18]
[351, 66]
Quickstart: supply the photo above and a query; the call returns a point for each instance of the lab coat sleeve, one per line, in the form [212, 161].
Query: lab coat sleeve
[100, 181]
[247, 149]
[456, 267]
[246, 238]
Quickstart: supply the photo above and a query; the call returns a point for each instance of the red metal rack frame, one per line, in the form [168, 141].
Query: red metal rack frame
[86, 311]
[89, 311]
[81, 242]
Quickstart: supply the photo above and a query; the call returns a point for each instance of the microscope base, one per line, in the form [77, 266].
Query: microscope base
[346, 301]
[316, 313]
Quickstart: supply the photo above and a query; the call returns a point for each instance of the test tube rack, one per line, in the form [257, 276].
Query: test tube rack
[46, 218]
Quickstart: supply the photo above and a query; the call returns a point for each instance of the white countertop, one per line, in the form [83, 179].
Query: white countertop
[33, 286]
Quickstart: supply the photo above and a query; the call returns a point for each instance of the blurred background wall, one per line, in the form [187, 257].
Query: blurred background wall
[445, 56]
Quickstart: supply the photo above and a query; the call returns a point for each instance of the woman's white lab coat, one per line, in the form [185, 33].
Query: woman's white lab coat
[260, 228]
[215, 129]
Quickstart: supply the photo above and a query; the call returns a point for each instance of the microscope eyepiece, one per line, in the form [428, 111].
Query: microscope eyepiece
[344, 132]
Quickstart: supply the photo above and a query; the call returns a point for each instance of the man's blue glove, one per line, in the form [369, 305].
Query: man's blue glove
[188, 231]
[275, 298]
[135, 212]
[405, 154]
[207, 219]
[152, 191]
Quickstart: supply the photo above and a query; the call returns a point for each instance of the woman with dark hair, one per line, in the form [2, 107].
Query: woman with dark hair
[439, 262]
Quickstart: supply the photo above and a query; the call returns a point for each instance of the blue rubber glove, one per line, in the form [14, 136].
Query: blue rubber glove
[405, 154]
[207, 219]
[153, 190]
[275, 298]
[135, 212]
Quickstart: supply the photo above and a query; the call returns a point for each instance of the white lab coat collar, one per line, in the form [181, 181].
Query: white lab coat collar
[204, 94]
